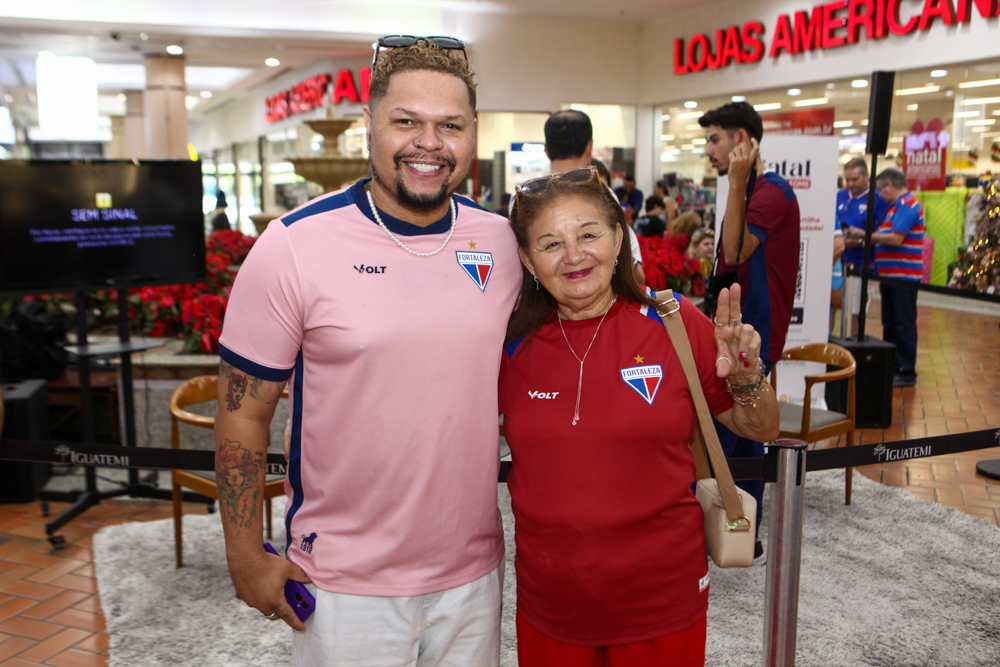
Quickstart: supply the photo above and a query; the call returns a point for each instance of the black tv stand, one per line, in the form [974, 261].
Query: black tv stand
[135, 487]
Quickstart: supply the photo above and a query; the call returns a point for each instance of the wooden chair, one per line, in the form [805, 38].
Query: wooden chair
[803, 422]
[200, 390]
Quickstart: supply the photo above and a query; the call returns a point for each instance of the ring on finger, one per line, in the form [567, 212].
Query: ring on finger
[716, 320]
[272, 617]
[721, 359]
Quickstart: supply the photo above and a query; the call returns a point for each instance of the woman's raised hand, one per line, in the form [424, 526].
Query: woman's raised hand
[738, 344]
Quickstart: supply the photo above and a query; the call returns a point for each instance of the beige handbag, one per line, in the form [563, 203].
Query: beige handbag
[730, 512]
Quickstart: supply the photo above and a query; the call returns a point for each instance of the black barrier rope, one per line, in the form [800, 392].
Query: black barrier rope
[112, 456]
[921, 287]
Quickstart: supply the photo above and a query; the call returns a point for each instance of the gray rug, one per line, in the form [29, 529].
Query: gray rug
[892, 581]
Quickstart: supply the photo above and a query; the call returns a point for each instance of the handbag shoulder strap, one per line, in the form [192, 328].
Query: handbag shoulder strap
[669, 311]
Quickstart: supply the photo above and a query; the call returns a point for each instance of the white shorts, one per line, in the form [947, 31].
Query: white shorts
[458, 627]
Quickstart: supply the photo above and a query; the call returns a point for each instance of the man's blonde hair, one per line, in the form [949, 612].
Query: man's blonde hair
[420, 56]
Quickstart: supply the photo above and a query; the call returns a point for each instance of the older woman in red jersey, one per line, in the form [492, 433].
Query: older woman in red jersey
[611, 561]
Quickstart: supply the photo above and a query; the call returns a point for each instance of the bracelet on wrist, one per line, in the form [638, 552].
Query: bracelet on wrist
[747, 393]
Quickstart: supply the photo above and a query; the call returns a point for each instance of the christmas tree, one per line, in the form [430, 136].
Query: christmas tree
[978, 266]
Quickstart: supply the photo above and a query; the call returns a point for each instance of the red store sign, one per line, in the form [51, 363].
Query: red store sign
[315, 91]
[827, 26]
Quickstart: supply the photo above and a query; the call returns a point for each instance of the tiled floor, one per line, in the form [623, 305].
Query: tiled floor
[50, 613]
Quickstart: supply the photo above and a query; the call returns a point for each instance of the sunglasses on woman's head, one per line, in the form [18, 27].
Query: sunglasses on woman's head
[537, 186]
[402, 41]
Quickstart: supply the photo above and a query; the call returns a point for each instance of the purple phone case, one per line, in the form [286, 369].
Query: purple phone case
[296, 594]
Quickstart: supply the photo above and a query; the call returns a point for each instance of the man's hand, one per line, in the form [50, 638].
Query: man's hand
[742, 159]
[260, 582]
[855, 233]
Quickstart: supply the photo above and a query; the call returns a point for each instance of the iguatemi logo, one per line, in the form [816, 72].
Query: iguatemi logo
[479, 266]
[644, 379]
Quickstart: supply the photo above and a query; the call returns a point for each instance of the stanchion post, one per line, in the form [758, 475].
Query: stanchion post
[784, 554]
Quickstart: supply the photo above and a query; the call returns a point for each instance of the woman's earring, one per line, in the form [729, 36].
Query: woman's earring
[615, 269]
[536, 283]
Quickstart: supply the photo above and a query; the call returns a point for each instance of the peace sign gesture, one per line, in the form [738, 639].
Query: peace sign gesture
[738, 344]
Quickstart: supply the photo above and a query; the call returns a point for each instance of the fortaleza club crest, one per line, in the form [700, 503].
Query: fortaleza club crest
[644, 379]
[479, 266]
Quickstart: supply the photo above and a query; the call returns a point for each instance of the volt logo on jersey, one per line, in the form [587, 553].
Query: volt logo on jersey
[479, 266]
[644, 379]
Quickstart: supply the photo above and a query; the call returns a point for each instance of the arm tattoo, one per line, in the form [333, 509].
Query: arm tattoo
[264, 391]
[237, 474]
[237, 387]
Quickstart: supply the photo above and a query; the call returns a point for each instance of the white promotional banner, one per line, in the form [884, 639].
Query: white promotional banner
[809, 164]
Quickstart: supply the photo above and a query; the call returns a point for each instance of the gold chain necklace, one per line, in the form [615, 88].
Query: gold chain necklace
[579, 386]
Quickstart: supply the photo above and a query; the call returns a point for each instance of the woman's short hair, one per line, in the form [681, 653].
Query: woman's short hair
[535, 306]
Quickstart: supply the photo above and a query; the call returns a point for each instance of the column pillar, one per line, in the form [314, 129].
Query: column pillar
[166, 120]
[135, 125]
[116, 149]
[647, 148]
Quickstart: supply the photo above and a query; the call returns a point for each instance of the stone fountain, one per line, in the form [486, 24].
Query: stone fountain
[330, 168]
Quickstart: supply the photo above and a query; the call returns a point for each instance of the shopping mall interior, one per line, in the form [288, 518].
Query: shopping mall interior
[248, 110]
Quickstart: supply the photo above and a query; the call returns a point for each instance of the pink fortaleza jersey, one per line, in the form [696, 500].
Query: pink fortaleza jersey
[393, 361]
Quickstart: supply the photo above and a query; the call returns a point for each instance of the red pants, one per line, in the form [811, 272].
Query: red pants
[685, 648]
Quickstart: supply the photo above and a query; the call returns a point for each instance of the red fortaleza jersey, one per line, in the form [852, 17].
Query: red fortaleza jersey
[610, 538]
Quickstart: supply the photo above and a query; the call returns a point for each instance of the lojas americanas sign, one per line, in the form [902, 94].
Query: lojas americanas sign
[824, 26]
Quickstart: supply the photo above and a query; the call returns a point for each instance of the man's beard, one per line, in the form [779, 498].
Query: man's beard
[418, 203]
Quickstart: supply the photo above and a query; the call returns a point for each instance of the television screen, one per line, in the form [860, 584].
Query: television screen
[74, 225]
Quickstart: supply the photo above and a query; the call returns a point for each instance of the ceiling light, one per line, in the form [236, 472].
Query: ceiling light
[667, 137]
[690, 114]
[666, 116]
[698, 151]
[912, 107]
[919, 91]
[811, 103]
[938, 73]
[849, 131]
[859, 83]
[982, 100]
[831, 86]
[272, 62]
[121, 96]
[191, 101]
[794, 92]
[857, 148]
[767, 107]
[739, 98]
[976, 123]
[966, 114]
[688, 147]
[865, 122]
[843, 123]
[995, 113]
[175, 50]
[690, 105]
[949, 93]
[206, 94]
[698, 142]
[8, 97]
[693, 126]
[143, 36]
[977, 129]
[980, 84]
[896, 139]
[992, 134]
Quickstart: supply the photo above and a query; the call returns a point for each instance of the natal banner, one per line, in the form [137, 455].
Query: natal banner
[809, 164]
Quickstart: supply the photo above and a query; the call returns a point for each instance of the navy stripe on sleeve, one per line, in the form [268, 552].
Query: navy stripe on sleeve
[252, 368]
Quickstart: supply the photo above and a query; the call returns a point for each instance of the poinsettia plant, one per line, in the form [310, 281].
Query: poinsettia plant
[664, 262]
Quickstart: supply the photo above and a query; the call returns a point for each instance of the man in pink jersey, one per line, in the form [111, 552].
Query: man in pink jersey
[384, 306]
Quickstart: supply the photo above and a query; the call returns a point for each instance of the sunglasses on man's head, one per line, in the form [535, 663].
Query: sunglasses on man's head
[537, 186]
[402, 41]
